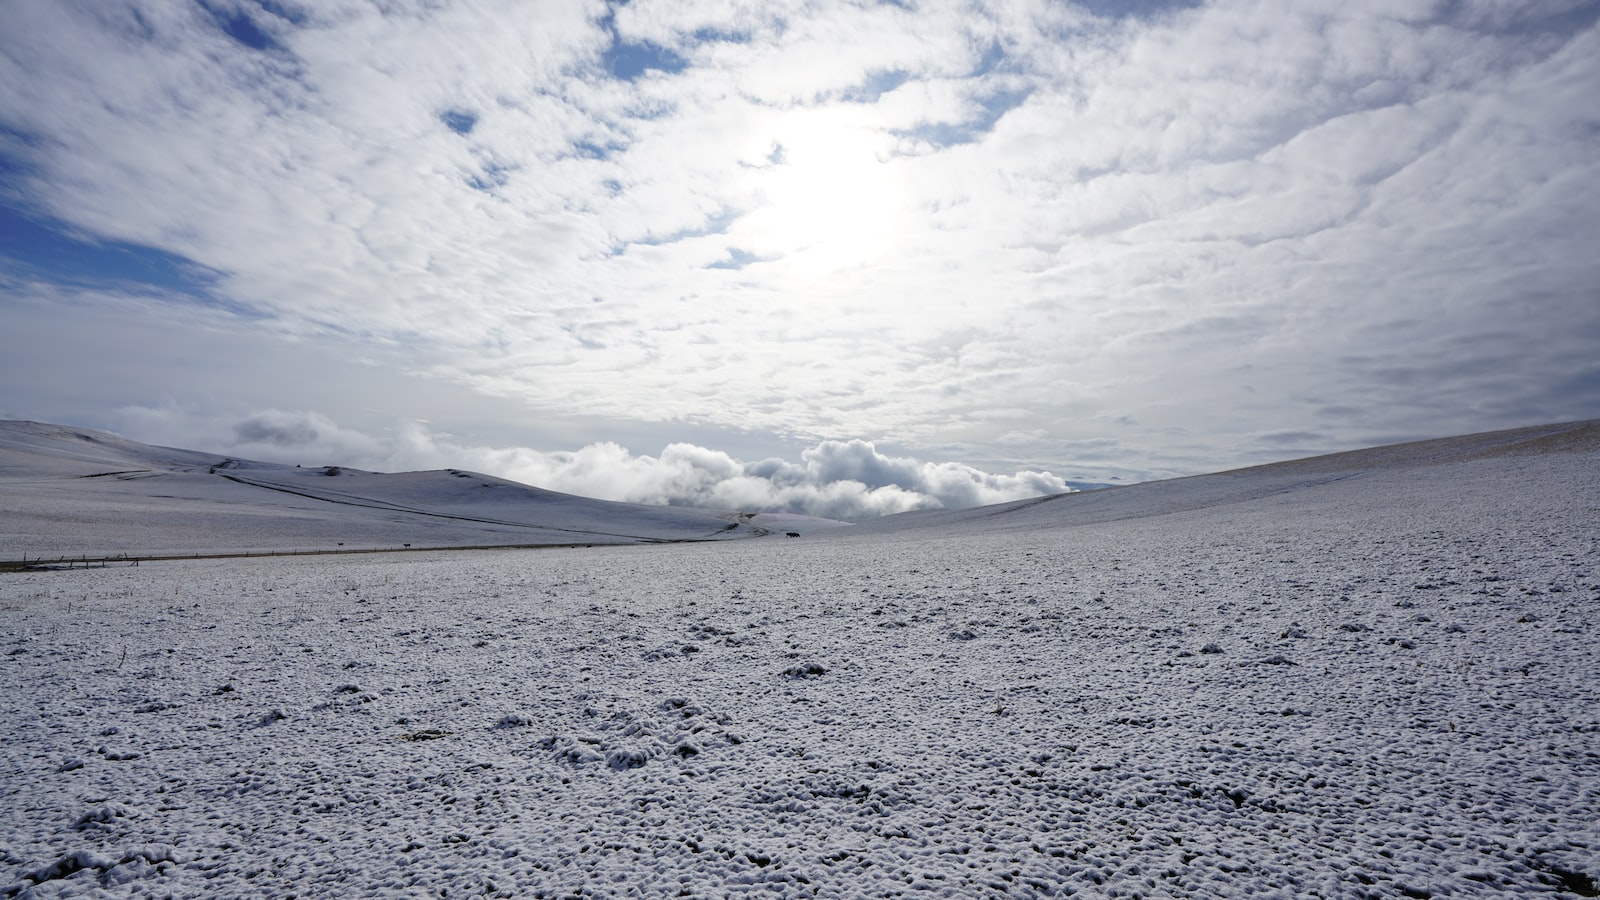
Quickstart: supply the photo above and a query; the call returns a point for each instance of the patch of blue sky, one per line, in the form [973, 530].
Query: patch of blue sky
[14, 144]
[992, 57]
[950, 134]
[1539, 21]
[737, 259]
[283, 11]
[242, 27]
[631, 62]
[875, 86]
[459, 120]
[716, 223]
[493, 175]
[55, 254]
[719, 36]
[595, 149]
[649, 109]
[1136, 9]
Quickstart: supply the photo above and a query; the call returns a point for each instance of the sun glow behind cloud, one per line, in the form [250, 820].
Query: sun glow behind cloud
[1031, 235]
[829, 194]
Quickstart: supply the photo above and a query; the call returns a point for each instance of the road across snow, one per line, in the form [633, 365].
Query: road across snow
[1376, 680]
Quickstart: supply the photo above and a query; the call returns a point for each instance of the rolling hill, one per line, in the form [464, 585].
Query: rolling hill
[70, 491]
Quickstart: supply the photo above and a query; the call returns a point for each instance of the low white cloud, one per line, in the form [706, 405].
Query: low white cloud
[275, 431]
[834, 479]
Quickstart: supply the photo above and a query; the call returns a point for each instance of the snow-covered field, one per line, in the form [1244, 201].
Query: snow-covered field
[1375, 676]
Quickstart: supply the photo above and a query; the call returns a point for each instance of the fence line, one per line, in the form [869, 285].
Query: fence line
[84, 561]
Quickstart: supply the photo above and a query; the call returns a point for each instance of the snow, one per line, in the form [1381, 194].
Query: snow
[71, 492]
[1376, 676]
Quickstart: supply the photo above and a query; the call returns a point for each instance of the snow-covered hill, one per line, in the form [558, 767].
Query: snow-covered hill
[1524, 453]
[1368, 676]
[70, 492]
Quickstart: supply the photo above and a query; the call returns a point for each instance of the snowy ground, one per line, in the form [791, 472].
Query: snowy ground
[1295, 682]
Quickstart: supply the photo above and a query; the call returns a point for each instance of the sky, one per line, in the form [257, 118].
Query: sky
[839, 257]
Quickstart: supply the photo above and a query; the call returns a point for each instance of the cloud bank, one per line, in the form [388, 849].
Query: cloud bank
[833, 479]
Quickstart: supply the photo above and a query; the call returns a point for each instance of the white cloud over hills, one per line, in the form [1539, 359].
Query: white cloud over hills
[833, 479]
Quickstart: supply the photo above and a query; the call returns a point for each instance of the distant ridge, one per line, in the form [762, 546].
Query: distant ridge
[1408, 460]
[70, 491]
[73, 491]
[1563, 437]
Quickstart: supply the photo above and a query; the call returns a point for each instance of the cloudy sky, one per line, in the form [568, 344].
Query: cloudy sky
[850, 257]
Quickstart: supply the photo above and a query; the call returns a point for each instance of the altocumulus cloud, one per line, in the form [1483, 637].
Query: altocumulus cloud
[1014, 229]
[835, 479]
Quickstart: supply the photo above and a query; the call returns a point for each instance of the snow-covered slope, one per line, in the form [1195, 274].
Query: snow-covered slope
[1495, 453]
[69, 492]
[1372, 680]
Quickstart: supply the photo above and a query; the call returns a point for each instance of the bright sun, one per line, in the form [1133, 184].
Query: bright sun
[828, 194]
